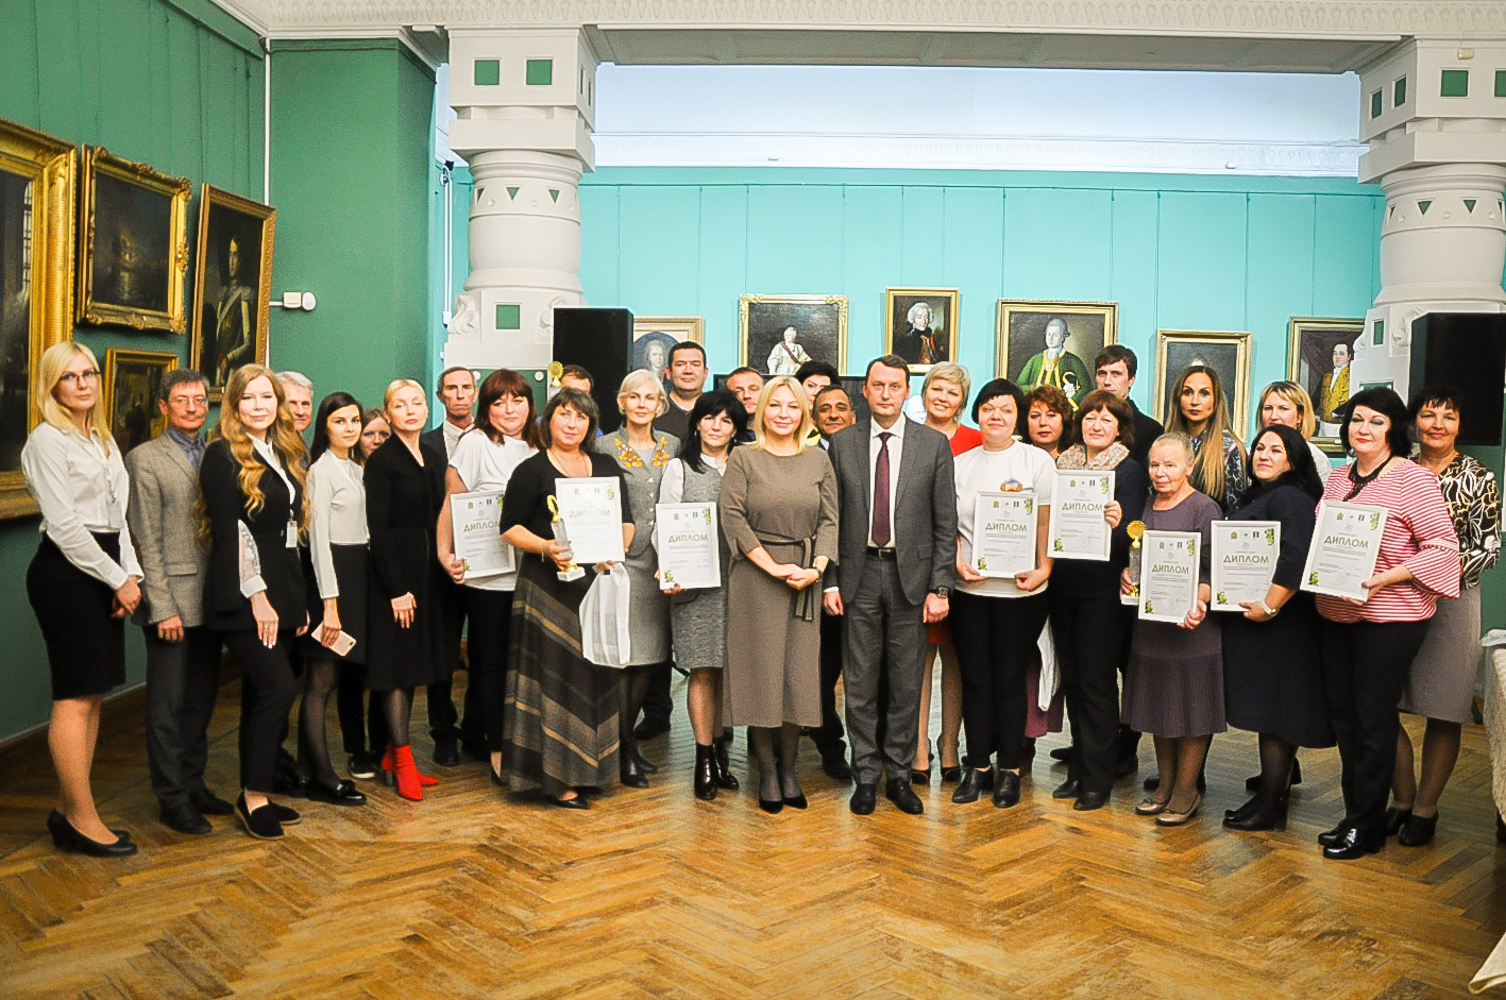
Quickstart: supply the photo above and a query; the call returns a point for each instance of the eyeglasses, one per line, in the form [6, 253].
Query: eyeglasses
[78, 378]
[188, 402]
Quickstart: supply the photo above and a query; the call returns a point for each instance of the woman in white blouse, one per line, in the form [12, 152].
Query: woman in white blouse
[698, 618]
[1288, 403]
[504, 434]
[82, 582]
[338, 549]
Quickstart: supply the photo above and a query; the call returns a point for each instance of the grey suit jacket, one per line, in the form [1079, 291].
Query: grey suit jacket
[925, 509]
[164, 489]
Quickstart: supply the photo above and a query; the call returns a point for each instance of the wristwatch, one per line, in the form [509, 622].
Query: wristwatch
[943, 592]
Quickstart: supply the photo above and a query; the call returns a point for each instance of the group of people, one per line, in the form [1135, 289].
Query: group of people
[846, 556]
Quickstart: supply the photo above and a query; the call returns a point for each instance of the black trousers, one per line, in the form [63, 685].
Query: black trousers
[1092, 641]
[996, 639]
[658, 703]
[828, 735]
[267, 692]
[1365, 670]
[444, 721]
[490, 615]
[358, 716]
[182, 683]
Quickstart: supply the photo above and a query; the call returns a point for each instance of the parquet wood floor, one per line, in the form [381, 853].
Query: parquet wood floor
[473, 893]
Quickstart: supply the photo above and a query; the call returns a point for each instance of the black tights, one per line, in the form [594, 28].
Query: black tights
[632, 688]
[1276, 756]
[776, 767]
[313, 739]
[399, 711]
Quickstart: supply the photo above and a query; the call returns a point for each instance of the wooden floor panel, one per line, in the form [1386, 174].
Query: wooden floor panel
[475, 893]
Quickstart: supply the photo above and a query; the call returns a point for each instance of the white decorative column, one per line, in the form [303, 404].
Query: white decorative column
[526, 101]
[1435, 118]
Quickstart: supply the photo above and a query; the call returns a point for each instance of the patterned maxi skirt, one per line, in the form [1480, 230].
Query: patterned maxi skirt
[559, 721]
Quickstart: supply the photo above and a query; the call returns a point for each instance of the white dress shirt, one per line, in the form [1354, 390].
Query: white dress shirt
[672, 488]
[337, 515]
[486, 467]
[896, 445]
[81, 490]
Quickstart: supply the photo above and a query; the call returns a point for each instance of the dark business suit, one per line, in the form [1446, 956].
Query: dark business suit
[883, 597]
[182, 678]
[1147, 429]
[443, 718]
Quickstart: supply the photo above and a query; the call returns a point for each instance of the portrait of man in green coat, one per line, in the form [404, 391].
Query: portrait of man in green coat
[1056, 365]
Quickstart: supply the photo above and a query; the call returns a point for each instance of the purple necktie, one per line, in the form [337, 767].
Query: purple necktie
[881, 492]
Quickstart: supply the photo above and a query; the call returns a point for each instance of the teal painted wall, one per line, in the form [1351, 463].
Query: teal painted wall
[173, 83]
[354, 183]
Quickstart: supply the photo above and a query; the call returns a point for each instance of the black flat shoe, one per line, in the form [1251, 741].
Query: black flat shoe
[64, 836]
[285, 816]
[211, 804]
[261, 823]
[897, 790]
[864, 798]
[1395, 820]
[1006, 789]
[1062, 754]
[1267, 814]
[1088, 801]
[184, 818]
[631, 776]
[974, 783]
[343, 794]
[836, 767]
[644, 764]
[362, 766]
[1127, 765]
[579, 802]
[1330, 837]
[1238, 814]
[446, 751]
[294, 786]
[1354, 844]
[1068, 789]
[1418, 831]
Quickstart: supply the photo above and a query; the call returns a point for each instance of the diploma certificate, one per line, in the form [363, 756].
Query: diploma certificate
[1004, 534]
[592, 512]
[1345, 545]
[1244, 561]
[1077, 528]
[476, 519]
[688, 547]
[1169, 575]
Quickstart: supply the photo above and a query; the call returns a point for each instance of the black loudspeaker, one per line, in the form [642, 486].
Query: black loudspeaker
[598, 340]
[1466, 351]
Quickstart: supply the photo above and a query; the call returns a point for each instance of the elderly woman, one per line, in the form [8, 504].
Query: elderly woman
[1288, 404]
[559, 723]
[944, 394]
[1090, 625]
[1369, 646]
[1174, 687]
[1200, 411]
[642, 453]
[1441, 685]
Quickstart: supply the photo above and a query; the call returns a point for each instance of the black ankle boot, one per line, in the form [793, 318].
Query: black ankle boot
[705, 773]
[724, 776]
[631, 773]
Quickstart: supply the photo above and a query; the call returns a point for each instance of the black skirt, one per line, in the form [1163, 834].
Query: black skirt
[85, 646]
[352, 564]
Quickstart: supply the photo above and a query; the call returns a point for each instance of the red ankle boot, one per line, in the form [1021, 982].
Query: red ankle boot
[408, 784]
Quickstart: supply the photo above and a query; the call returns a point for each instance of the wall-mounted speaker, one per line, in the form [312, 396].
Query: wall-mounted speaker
[598, 341]
[1466, 351]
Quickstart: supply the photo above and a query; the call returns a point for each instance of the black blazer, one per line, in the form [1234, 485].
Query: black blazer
[1147, 429]
[403, 500]
[225, 608]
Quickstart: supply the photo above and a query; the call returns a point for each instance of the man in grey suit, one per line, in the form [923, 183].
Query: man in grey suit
[182, 654]
[896, 550]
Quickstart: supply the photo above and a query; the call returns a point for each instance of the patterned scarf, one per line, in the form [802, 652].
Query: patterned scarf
[1076, 457]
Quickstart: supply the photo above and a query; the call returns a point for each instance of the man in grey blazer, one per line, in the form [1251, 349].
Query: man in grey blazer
[182, 654]
[896, 551]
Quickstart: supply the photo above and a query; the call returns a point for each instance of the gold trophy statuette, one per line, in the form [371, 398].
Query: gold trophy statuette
[556, 372]
[1135, 530]
[557, 524]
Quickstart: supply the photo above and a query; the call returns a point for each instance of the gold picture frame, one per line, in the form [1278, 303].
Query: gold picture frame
[132, 245]
[38, 179]
[1226, 352]
[1311, 340]
[655, 336]
[1021, 341]
[132, 380]
[923, 346]
[819, 321]
[228, 329]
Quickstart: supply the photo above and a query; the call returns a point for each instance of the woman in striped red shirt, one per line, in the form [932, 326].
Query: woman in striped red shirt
[1368, 646]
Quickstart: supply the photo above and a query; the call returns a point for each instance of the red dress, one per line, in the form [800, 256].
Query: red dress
[965, 439]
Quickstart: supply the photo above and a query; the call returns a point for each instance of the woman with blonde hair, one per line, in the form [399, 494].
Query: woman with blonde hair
[779, 515]
[1289, 404]
[404, 492]
[1200, 412]
[255, 510]
[81, 583]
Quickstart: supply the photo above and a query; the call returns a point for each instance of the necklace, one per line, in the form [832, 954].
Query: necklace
[1359, 481]
[559, 458]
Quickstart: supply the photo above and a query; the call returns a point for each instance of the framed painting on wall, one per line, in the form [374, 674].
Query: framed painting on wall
[920, 325]
[779, 333]
[133, 244]
[37, 212]
[655, 336]
[233, 285]
[1318, 356]
[1228, 354]
[132, 379]
[1054, 343]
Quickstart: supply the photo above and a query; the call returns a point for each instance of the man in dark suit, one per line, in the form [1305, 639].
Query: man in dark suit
[1114, 370]
[182, 654]
[895, 482]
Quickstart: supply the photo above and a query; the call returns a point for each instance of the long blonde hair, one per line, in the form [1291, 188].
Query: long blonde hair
[284, 439]
[50, 368]
[1208, 461]
[803, 431]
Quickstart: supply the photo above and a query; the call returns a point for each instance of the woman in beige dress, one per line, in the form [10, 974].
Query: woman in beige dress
[779, 513]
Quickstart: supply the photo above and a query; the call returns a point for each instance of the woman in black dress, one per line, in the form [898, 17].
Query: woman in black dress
[252, 476]
[404, 491]
[1273, 677]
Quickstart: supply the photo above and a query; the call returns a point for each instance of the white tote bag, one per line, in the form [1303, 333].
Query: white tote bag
[605, 639]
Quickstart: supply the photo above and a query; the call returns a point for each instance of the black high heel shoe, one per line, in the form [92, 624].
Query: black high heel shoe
[65, 837]
[974, 784]
[1418, 831]
[630, 772]
[1396, 819]
[1265, 815]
